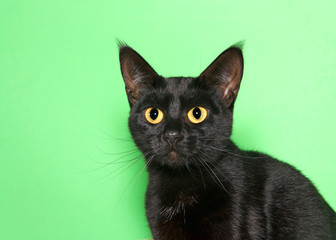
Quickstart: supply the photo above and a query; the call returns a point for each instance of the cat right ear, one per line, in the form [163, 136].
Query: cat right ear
[136, 72]
[225, 74]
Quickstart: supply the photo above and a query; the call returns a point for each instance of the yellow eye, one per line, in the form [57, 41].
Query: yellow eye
[197, 114]
[153, 115]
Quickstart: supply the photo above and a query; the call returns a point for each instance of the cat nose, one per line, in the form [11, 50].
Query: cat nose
[171, 136]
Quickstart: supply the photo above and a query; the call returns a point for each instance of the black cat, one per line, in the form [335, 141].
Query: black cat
[201, 185]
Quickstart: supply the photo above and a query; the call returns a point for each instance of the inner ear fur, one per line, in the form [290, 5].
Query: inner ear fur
[225, 73]
[136, 72]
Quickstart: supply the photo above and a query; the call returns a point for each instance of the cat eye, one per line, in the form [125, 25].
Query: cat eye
[197, 114]
[153, 115]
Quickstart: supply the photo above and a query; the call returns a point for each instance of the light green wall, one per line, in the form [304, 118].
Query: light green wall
[63, 106]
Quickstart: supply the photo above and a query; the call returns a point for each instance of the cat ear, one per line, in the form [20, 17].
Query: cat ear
[225, 73]
[136, 72]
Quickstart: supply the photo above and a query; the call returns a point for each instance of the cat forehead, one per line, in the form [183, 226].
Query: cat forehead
[168, 93]
[176, 90]
[178, 85]
[177, 93]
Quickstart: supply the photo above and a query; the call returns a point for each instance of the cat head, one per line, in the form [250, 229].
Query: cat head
[179, 122]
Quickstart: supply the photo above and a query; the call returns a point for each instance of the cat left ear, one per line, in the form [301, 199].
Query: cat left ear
[225, 73]
[136, 72]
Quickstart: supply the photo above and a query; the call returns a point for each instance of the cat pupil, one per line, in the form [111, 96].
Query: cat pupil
[154, 113]
[197, 113]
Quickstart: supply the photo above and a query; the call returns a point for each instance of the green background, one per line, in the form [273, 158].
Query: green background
[65, 150]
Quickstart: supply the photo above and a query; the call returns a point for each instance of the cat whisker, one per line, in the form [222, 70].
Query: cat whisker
[113, 162]
[147, 163]
[207, 169]
[137, 175]
[116, 161]
[216, 167]
[212, 139]
[128, 164]
[187, 165]
[200, 170]
[117, 138]
[118, 153]
[234, 154]
[213, 165]
[212, 174]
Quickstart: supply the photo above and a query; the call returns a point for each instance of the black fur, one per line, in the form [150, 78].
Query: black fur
[210, 189]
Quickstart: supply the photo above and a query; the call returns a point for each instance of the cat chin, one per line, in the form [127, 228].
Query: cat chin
[174, 165]
[173, 156]
[172, 160]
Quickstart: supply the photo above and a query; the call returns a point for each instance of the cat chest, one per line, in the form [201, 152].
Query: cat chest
[182, 205]
[191, 217]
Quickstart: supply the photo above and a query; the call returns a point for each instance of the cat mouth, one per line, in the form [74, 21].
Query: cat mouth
[173, 155]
